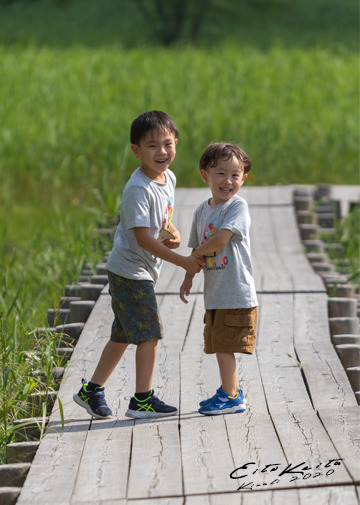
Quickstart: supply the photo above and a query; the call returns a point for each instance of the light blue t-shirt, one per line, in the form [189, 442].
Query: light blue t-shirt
[145, 203]
[228, 279]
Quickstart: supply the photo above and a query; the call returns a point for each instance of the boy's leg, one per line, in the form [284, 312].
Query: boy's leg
[110, 357]
[145, 363]
[227, 366]
[144, 403]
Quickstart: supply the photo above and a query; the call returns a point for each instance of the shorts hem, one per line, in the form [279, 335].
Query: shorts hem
[135, 342]
[230, 351]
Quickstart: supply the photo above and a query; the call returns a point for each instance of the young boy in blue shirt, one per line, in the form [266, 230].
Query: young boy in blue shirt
[220, 234]
[144, 237]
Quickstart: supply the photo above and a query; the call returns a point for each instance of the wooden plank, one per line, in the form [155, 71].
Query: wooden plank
[289, 247]
[278, 497]
[206, 456]
[155, 459]
[334, 495]
[281, 497]
[325, 376]
[155, 501]
[301, 434]
[265, 255]
[304, 440]
[103, 472]
[344, 431]
[53, 471]
[254, 443]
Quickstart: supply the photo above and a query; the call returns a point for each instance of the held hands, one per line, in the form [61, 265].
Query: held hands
[193, 264]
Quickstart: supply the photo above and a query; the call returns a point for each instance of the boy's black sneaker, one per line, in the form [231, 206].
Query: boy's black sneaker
[93, 401]
[150, 407]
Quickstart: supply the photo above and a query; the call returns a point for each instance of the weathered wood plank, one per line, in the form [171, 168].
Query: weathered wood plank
[280, 497]
[253, 440]
[301, 434]
[103, 472]
[287, 240]
[343, 429]
[155, 459]
[154, 501]
[206, 456]
[265, 255]
[324, 374]
[334, 495]
[53, 471]
[337, 495]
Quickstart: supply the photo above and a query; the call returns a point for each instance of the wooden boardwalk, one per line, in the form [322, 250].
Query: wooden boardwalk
[299, 440]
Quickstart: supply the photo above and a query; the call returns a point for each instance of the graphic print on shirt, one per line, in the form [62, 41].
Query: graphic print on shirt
[214, 261]
[168, 214]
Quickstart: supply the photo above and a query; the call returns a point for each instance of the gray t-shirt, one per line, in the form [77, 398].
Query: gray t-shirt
[228, 279]
[145, 203]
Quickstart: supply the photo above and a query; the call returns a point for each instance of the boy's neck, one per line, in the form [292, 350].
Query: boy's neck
[161, 178]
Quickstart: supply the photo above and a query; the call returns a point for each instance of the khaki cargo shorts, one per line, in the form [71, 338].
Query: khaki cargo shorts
[230, 330]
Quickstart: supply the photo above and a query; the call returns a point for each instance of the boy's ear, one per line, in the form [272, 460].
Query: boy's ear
[204, 175]
[135, 150]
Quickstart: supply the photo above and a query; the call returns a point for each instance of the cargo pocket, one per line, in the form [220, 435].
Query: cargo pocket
[239, 334]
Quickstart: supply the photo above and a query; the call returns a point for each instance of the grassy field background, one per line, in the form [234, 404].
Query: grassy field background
[281, 78]
[277, 78]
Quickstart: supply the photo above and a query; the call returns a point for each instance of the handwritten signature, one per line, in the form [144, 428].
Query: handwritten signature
[275, 473]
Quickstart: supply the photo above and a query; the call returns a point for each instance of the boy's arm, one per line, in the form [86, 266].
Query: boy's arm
[173, 243]
[186, 286]
[215, 243]
[191, 264]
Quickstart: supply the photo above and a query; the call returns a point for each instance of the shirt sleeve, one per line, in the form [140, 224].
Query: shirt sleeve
[193, 238]
[136, 208]
[237, 219]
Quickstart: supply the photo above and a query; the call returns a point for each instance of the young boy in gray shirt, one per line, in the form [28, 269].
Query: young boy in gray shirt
[220, 234]
[144, 237]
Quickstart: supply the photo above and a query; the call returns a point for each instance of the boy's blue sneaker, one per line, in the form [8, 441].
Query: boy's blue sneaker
[93, 401]
[222, 403]
[220, 390]
[150, 407]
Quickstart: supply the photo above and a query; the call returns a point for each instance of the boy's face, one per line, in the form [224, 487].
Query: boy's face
[157, 151]
[224, 180]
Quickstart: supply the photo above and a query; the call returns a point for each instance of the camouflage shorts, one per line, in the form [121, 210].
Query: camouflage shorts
[136, 314]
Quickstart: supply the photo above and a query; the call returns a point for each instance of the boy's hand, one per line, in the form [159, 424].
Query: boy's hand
[186, 287]
[193, 264]
[173, 243]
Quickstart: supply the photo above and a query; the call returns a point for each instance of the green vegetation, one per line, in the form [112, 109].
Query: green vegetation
[279, 77]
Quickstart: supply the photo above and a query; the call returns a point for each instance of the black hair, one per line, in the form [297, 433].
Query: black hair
[223, 151]
[152, 120]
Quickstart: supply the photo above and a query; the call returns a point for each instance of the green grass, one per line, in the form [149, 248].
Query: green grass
[280, 78]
